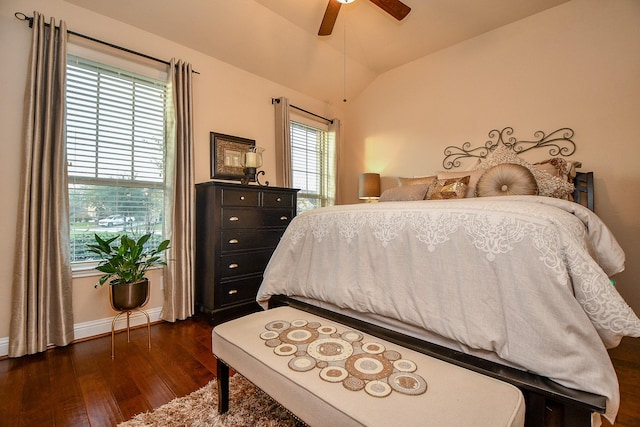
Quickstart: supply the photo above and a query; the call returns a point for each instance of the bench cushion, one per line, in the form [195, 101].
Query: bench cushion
[330, 374]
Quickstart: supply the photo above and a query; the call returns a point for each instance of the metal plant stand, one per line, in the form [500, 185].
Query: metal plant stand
[135, 297]
[113, 324]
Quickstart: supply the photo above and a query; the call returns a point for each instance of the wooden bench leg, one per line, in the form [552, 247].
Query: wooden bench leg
[222, 374]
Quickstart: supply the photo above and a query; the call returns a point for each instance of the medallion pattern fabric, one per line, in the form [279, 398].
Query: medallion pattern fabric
[343, 357]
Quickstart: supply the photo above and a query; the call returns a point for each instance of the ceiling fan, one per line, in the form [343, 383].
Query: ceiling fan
[395, 8]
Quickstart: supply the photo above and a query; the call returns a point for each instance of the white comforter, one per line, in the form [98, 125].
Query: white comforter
[523, 277]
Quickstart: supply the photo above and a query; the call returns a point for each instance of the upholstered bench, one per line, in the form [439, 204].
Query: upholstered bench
[328, 374]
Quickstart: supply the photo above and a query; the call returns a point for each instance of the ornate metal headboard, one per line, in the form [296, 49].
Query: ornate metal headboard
[558, 142]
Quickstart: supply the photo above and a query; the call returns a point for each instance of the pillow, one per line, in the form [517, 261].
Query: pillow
[451, 188]
[507, 179]
[404, 193]
[548, 168]
[548, 185]
[415, 181]
[558, 166]
[473, 175]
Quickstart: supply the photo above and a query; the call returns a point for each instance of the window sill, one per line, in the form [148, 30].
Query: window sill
[89, 270]
[84, 270]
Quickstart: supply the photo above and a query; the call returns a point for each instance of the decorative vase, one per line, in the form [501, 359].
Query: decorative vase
[130, 296]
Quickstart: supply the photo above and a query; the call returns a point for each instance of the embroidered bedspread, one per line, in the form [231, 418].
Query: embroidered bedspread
[523, 277]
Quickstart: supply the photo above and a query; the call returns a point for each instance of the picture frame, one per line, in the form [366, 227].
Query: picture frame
[226, 153]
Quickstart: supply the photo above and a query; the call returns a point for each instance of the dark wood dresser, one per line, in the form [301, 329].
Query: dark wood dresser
[237, 230]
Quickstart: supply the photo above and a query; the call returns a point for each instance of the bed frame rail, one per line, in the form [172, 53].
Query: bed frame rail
[547, 403]
[583, 193]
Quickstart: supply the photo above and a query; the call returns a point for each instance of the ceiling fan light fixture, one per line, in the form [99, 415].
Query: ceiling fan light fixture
[395, 8]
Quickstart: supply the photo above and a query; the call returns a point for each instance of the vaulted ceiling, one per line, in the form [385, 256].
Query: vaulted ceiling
[277, 39]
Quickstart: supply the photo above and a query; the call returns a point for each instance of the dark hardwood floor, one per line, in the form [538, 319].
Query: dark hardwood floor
[80, 385]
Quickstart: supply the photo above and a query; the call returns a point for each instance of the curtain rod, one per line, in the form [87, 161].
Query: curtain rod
[22, 17]
[275, 100]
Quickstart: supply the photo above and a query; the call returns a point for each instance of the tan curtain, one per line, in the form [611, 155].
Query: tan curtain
[283, 143]
[333, 164]
[41, 311]
[179, 197]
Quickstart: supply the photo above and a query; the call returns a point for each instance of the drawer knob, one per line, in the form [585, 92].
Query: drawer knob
[234, 265]
[284, 218]
[279, 199]
[234, 218]
[241, 197]
[233, 291]
[233, 241]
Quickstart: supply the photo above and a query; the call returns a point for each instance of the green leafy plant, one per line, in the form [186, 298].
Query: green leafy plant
[128, 260]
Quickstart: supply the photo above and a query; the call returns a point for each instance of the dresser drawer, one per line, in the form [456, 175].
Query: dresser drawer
[273, 199]
[233, 265]
[250, 218]
[237, 291]
[239, 197]
[240, 239]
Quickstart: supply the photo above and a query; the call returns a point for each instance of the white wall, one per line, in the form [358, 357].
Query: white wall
[226, 100]
[576, 65]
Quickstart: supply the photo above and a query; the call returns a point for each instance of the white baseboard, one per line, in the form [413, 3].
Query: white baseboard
[98, 327]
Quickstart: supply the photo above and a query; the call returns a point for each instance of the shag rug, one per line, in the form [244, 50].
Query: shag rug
[248, 406]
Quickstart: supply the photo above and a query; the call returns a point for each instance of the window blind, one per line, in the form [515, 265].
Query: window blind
[115, 124]
[115, 133]
[309, 151]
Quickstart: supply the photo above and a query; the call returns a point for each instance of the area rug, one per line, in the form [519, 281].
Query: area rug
[248, 406]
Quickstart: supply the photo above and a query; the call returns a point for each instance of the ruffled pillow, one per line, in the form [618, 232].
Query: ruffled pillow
[507, 179]
[548, 185]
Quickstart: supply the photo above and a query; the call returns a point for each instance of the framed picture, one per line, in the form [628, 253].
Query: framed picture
[226, 154]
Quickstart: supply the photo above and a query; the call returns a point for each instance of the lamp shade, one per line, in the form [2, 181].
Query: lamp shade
[369, 186]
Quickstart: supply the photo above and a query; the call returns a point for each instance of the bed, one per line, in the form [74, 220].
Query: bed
[519, 279]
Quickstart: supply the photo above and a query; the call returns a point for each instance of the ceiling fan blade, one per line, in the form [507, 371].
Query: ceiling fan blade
[329, 19]
[395, 8]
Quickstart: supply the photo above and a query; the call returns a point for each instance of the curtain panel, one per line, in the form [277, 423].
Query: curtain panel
[41, 306]
[179, 196]
[283, 143]
[333, 161]
[283, 151]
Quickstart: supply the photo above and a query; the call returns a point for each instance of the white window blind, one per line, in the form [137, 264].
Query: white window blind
[310, 153]
[115, 133]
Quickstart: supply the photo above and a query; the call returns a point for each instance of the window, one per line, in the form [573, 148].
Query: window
[115, 133]
[312, 159]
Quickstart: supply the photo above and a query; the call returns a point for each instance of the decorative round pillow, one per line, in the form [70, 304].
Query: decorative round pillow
[507, 179]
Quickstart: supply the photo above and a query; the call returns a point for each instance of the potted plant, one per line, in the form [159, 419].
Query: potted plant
[124, 265]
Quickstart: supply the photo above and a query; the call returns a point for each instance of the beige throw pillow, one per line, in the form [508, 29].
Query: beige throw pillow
[428, 180]
[404, 193]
